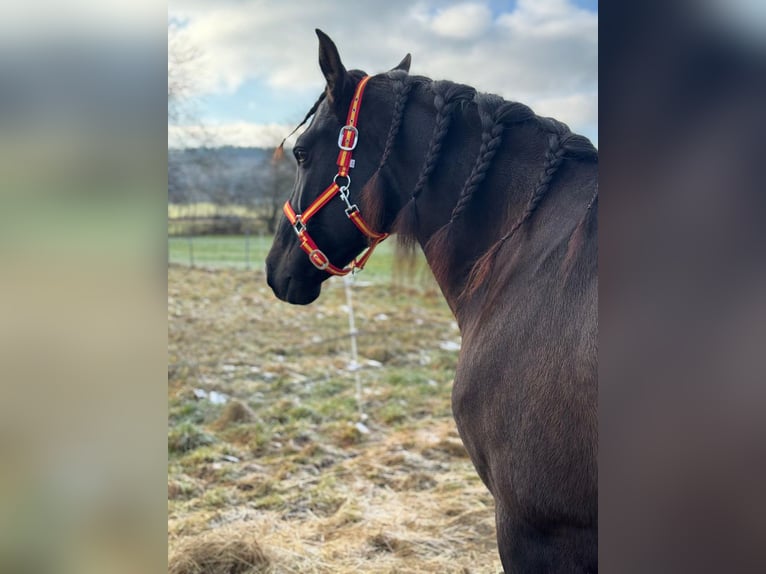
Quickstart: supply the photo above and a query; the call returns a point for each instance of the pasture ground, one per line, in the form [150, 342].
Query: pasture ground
[269, 470]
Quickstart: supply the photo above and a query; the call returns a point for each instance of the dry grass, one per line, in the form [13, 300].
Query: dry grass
[289, 478]
[235, 412]
[221, 551]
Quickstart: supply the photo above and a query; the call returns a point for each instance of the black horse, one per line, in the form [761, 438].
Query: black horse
[504, 205]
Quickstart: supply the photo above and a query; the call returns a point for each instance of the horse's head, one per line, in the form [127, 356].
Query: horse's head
[316, 240]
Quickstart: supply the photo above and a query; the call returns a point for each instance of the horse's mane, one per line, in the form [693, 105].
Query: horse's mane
[496, 116]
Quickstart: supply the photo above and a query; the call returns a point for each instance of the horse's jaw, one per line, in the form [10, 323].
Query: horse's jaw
[293, 291]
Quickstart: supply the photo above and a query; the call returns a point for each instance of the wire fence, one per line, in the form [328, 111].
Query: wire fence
[248, 250]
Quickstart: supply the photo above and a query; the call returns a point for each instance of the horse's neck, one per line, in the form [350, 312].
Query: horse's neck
[503, 193]
[501, 199]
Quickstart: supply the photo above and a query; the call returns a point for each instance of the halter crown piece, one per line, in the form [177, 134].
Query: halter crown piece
[347, 140]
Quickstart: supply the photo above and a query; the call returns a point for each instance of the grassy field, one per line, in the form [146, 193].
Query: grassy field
[277, 465]
[236, 251]
[219, 251]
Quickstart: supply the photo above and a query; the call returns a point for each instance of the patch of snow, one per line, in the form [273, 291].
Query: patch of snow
[449, 346]
[217, 398]
[353, 366]
[362, 428]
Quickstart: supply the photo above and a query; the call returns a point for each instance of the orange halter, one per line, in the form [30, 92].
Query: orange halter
[347, 140]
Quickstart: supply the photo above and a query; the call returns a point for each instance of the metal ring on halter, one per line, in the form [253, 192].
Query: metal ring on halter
[344, 187]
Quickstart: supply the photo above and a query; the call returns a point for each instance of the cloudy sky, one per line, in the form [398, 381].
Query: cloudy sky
[257, 71]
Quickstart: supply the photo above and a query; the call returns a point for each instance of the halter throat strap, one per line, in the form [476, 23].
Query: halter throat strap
[348, 138]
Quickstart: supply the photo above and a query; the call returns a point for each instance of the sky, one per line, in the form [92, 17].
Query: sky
[256, 73]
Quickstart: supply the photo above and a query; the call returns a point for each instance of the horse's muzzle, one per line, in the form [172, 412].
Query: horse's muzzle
[292, 290]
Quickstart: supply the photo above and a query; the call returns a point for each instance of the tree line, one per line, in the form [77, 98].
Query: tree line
[232, 176]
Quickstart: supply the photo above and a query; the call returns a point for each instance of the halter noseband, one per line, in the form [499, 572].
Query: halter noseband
[347, 140]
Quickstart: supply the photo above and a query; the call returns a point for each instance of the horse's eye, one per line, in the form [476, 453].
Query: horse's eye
[300, 154]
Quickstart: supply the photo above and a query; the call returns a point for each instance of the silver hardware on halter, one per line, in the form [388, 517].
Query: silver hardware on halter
[299, 227]
[351, 164]
[353, 143]
[350, 207]
[324, 265]
[348, 183]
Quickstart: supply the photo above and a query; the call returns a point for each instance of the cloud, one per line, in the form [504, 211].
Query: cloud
[575, 109]
[241, 134]
[538, 52]
[554, 20]
[462, 21]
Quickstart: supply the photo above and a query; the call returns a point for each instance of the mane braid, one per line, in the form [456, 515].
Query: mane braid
[562, 144]
[447, 97]
[402, 88]
[373, 196]
[491, 138]
[493, 112]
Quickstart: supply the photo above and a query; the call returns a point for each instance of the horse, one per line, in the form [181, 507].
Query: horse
[504, 205]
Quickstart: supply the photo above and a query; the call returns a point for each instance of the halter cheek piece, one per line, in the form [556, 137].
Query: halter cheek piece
[347, 140]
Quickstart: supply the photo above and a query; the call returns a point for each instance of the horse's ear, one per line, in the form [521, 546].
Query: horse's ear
[332, 67]
[404, 64]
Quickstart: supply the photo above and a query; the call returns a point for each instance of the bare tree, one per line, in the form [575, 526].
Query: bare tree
[273, 185]
[184, 66]
[183, 61]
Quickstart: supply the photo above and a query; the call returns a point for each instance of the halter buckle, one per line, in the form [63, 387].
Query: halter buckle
[354, 139]
[319, 259]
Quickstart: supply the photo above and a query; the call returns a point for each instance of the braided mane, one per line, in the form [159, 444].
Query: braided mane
[496, 116]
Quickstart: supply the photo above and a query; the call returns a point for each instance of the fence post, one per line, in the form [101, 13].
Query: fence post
[190, 241]
[247, 247]
[260, 246]
[354, 364]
